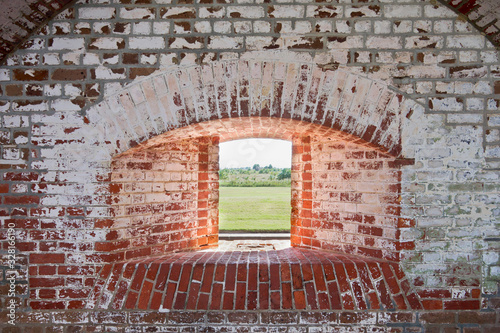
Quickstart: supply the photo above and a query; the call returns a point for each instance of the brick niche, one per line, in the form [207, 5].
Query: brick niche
[345, 192]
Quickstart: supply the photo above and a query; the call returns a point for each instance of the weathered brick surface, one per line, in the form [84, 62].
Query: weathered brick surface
[393, 110]
[161, 200]
[154, 278]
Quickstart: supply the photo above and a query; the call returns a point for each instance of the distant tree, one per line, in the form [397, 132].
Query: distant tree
[256, 167]
[223, 173]
[285, 173]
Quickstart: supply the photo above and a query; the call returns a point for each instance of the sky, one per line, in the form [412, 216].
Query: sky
[247, 152]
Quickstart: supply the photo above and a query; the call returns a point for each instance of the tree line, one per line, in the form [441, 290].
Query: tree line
[255, 176]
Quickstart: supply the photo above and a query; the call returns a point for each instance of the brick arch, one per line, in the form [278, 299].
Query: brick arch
[184, 96]
[183, 114]
[345, 191]
[328, 167]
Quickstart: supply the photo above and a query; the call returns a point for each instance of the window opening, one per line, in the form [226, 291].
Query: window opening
[255, 192]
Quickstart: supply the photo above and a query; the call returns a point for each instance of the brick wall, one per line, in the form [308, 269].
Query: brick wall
[356, 200]
[406, 93]
[162, 202]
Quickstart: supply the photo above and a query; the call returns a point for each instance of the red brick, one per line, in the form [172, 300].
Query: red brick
[73, 305]
[230, 282]
[263, 273]
[31, 75]
[131, 300]
[432, 304]
[169, 295]
[228, 301]
[327, 318]
[286, 296]
[462, 305]
[242, 318]
[373, 301]
[275, 300]
[342, 278]
[263, 295]
[355, 317]
[390, 279]
[145, 295]
[180, 301]
[216, 297]
[383, 293]
[220, 273]
[285, 272]
[120, 293]
[311, 296]
[359, 295]
[152, 271]
[193, 295]
[307, 273]
[47, 305]
[47, 258]
[185, 317]
[185, 278]
[329, 272]
[129, 270]
[161, 280]
[215, 317]
[400, 302]
[252, 300]
[414, 301]
[21, 200]
[319, 277]
[207, 278]
[47, 293]
[115, 275]
[47, 270]
[197, 273]
[475, 317]
[73, 293]
[434, 293]
[333, 292]
[242, 271]
[203, 302]
[138, 277]
[374, 270]
[438, 317]
[252, 276]
[296, 276]
[323, 301]
[69, 74]
[241, 295]
[275, 277]
[348, 302]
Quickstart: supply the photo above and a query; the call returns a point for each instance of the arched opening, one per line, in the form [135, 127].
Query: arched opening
[254, 194]
[345, 192]
[345, 188]
[345, 199]
[332, 206]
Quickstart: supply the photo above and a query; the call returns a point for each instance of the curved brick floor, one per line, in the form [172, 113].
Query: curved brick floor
[278, 279]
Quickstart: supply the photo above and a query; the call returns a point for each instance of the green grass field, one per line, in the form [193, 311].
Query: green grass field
[254, 208]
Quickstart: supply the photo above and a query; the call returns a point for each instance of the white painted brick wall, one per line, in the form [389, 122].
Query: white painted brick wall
[419, 48]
